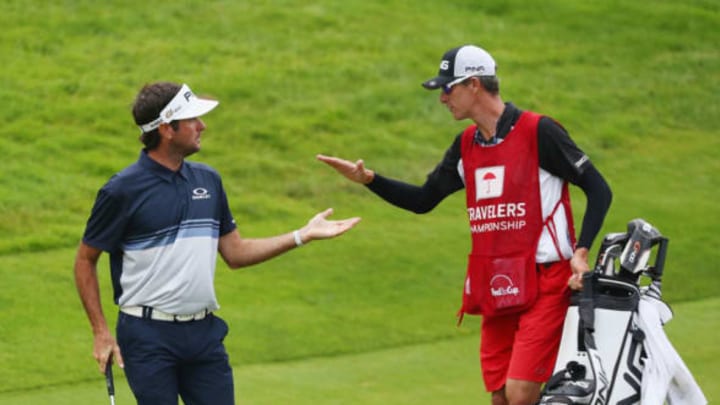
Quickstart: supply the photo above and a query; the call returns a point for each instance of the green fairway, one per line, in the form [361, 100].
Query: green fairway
[443, 372]
[369, 317]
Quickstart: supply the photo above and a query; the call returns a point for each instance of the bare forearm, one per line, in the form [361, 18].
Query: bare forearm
[105, 347]
[248, 252]
[87, 285]
[239, 252]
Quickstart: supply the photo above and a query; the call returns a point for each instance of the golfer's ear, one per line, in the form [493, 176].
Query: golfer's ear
[166, 130]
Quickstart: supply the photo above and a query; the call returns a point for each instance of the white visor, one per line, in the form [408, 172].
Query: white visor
[184, 105]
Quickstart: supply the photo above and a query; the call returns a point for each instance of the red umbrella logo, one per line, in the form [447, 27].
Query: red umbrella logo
[489, 182]
[487, 178]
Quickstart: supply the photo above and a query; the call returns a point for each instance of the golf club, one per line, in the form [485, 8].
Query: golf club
[109, 381]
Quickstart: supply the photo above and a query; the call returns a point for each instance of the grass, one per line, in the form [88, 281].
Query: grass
[441, 372]
[634, 85]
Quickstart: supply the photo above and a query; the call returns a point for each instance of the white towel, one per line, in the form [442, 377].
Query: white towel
[666, 377]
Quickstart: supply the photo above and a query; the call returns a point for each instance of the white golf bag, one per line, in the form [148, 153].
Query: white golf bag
[603, 352]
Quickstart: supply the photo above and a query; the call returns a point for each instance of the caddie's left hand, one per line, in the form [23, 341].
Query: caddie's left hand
[319, 227]
[354, 171]
[579, 265]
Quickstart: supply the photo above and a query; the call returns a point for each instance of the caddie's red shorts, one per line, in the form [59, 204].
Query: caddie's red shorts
[524, 346]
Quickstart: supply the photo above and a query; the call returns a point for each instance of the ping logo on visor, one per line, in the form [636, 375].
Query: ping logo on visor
[184, 105]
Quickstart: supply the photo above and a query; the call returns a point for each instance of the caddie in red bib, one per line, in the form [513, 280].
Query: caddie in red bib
[503, 203]
[515, 167]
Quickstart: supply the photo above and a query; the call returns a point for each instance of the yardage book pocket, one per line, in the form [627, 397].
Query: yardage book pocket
[499, 285]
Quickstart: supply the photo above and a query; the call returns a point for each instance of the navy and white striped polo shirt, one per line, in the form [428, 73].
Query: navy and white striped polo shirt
[161, 229]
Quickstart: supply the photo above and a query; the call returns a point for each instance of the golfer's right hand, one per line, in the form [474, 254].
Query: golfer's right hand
[353, 171]
[105, 349]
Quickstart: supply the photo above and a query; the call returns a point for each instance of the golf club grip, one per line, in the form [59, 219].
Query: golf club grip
[109, 378]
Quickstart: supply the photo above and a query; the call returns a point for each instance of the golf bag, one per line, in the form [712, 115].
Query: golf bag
[603, 352]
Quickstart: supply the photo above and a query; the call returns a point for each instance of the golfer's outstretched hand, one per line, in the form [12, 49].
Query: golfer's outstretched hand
[579, 266]
[353, 171]
[106, 349]
[319, 227]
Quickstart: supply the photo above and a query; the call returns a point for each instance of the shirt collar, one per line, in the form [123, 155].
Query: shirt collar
[505, 123]
[159, 170]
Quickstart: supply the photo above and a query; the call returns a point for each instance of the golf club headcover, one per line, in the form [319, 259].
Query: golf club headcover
[636, 254]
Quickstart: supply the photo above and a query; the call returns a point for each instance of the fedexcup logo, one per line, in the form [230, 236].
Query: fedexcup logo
[200, 194]
[502, 285]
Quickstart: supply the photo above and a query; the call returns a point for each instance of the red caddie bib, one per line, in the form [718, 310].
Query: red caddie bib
[505, 214]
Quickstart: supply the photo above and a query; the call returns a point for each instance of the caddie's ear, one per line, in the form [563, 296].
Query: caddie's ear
[474, 83]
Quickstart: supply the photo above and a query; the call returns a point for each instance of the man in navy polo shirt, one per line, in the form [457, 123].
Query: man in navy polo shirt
[162, 220]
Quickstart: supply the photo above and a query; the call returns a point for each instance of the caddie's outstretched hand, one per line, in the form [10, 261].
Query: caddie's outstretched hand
[319, 227]
[353, 171]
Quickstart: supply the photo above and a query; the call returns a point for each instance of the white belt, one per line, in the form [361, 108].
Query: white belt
[152, 313]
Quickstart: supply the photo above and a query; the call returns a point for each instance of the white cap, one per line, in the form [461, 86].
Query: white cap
[460, 63]
[184, 105]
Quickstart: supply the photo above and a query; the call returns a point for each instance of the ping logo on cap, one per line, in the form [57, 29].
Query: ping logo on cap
[474, 69]
[462, 62]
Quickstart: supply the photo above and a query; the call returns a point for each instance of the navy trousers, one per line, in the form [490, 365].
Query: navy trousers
[164, 360]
